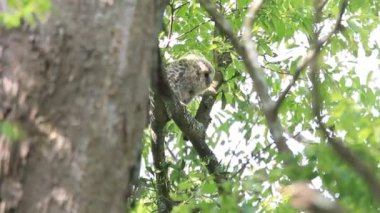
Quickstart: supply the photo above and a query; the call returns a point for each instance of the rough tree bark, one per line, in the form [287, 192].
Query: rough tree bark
[78, 87]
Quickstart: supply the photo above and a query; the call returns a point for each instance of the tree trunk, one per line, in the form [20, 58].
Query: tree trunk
[77, 86]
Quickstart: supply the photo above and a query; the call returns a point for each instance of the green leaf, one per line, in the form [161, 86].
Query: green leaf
[11, 131]
[209, 187]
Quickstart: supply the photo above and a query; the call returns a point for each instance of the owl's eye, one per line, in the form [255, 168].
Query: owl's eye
[207, 75]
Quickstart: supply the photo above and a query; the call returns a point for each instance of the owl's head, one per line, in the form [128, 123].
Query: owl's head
[205, 70]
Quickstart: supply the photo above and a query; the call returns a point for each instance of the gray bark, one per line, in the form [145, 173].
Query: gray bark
[77, 86]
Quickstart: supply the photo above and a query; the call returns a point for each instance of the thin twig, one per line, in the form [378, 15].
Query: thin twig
[221, 23]
[300, 67]
[180, 6]
[337, 24]
[254, 156]
[192, 29]
[171, 24]
[170, 151]
[173, 10]
[322, 4]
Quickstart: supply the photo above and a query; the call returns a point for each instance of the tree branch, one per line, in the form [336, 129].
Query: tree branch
[304, 198]
[196, 132]
[159, 120]
[338, 144]
[337, 24]
[249, 54]
[192, 129]
[354, 161]
[208, 100]
[311, 53]
[249, 18]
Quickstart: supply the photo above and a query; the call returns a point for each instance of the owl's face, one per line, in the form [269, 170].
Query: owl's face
[193, 75]
[205, 72]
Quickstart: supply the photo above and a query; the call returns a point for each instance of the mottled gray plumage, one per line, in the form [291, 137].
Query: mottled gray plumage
[189, 76]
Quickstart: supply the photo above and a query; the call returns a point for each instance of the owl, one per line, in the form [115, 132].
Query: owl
[189, 76]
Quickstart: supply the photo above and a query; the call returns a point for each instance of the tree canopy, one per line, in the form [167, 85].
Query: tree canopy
[298, 101]
[320, 108]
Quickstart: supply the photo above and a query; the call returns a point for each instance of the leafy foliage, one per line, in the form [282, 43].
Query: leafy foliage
[11, 131]
[13, 12]
[238, 133]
